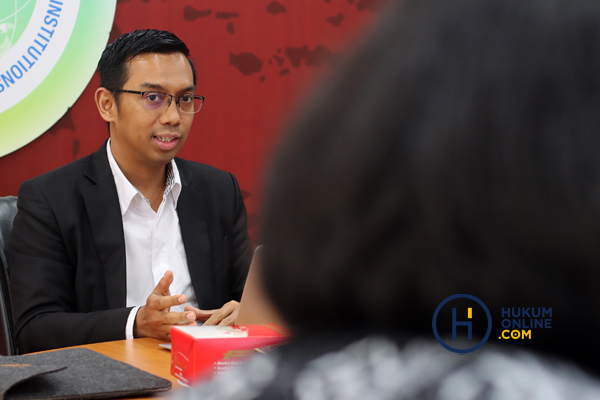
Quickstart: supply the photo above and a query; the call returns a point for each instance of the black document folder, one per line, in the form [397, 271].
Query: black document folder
[73, 374]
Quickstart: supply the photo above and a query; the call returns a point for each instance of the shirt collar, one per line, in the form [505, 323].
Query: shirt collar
[176, 179]
[126, 191]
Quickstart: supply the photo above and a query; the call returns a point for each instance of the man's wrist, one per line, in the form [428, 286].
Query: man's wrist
[129, 326]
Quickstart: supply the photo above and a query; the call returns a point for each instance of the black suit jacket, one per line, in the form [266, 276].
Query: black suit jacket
[67, 250]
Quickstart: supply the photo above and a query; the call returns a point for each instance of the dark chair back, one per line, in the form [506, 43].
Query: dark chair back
[8, 210]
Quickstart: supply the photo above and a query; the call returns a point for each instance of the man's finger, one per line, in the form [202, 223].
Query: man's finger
[163, 285]
[160, 303]
[175, 318]
[214, 319]
[201, 315]
[230, 320]
[229, 309]
[218, 316]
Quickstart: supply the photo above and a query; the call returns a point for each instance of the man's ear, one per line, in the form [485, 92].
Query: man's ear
[106, 103]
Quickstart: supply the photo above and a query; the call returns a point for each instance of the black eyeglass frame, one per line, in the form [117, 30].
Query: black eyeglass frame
[171, 97]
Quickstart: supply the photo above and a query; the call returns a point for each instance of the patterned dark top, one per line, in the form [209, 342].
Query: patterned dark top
[375, 367]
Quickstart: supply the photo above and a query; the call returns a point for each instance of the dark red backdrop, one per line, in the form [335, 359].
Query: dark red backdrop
[254, 58]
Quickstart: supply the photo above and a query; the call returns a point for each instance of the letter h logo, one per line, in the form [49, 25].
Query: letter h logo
[468, 324]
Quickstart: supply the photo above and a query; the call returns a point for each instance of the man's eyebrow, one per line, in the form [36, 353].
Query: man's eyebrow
[150, 85]
[157, 86]
[190, 88]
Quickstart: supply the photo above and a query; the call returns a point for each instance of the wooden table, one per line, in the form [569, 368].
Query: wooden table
[145, 354]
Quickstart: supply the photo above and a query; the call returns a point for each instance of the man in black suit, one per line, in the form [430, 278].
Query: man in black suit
[98, 244]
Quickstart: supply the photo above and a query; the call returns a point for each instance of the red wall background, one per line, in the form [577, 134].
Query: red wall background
[254, 59]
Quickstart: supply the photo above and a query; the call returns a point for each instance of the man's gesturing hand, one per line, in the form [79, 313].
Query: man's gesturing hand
[154, 319]
[226, 315]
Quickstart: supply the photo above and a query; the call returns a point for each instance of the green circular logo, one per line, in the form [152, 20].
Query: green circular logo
[49, 50]
[14, 17]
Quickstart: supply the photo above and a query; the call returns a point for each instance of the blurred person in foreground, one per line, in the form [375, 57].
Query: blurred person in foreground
[458, 151]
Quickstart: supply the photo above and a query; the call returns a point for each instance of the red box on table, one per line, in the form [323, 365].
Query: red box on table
[200, 352]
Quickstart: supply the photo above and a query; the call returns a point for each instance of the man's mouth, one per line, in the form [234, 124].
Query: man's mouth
[167, 142]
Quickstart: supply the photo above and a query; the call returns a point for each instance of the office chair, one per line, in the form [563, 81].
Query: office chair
[8, 210]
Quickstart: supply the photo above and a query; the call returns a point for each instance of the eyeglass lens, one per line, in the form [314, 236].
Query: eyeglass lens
[187, 102]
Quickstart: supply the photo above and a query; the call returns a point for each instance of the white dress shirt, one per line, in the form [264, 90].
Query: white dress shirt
[153, 242]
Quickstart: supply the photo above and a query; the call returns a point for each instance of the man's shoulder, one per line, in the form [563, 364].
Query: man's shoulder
[218, 186]
[209, 177]
[73, 177]
[95, 166]
[61, 180]
[71, 170]
[60, 189]
[200, 169]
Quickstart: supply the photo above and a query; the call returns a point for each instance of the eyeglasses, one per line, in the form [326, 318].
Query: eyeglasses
[155, 101]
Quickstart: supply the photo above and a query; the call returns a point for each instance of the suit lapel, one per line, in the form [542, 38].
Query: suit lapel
[102, 204]
[195, 235]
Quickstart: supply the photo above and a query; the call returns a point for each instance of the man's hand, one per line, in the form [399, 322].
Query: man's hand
[226, 315]
[155, 319]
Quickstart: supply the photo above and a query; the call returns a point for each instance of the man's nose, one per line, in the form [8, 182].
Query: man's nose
[171, 114]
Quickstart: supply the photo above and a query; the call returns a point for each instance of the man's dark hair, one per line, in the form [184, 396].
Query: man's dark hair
[113, 63]
[458, 151]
